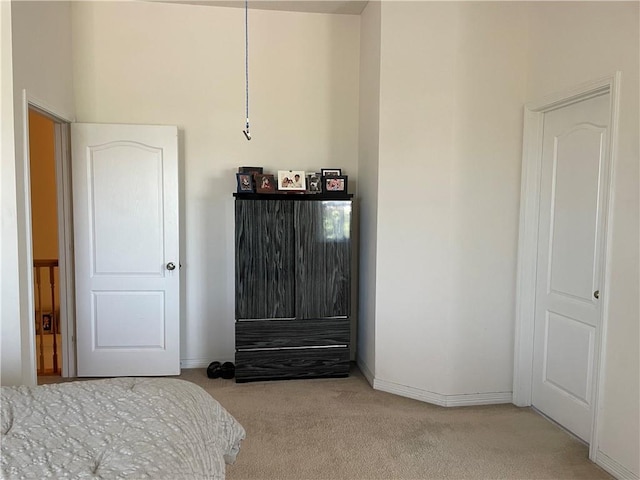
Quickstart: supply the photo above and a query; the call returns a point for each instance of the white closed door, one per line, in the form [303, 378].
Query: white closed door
[125, 209]
[569, 268]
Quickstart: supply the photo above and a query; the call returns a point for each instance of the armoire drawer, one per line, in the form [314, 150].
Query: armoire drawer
[251, 334]
[292, 363]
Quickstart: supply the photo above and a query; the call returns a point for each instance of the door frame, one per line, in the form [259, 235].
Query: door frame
[65, 233]
[528, 238]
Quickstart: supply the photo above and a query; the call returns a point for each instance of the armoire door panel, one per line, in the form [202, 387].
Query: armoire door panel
[322, 258]
[264, 259]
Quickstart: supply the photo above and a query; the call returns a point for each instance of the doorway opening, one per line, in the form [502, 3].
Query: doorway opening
[51, 244]
[44, 243]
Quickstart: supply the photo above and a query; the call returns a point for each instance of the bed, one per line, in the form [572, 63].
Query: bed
[121, 428]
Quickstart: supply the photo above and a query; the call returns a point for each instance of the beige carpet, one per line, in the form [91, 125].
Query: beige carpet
[343, 429]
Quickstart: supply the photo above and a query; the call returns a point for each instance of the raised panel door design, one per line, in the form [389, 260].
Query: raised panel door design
[568, 356]
[577, 162]
[569, 264]
[264, 259]
[125, 194]
[126, 231]
[323, 258]
[140, 314]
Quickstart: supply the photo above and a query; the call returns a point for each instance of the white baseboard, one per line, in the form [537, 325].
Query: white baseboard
[463, 400]
[614, 468]
[362, 365]
[198, 362]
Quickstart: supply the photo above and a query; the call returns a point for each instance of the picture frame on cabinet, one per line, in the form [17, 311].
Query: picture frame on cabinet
[334, 184]
[314, 183]
[265, 183]
[330, 172]
[244, 182]
[292, 180]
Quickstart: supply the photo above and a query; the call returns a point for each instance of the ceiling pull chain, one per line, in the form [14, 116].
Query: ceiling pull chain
[247, 132]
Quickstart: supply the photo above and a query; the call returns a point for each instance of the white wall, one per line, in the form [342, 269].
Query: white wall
[42, 54]
[11, 360]
[485, 190]
[569, 44]
[453, 80]
[368, 182]
[41, 64]
[417, 74]
[184, 65]
[452, 83]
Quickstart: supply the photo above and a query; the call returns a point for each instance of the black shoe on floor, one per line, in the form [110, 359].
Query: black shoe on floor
[214, 370]
[228, 370]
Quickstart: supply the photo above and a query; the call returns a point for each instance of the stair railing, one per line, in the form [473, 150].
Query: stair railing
[51, 265]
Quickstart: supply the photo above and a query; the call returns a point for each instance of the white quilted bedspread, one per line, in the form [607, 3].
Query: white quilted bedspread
[116, 428]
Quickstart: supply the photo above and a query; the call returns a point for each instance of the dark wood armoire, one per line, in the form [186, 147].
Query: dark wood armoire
[293, 286]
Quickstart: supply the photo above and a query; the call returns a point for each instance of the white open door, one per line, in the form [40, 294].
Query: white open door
[125, 209]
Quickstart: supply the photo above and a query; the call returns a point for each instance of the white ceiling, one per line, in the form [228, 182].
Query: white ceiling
[345, 7]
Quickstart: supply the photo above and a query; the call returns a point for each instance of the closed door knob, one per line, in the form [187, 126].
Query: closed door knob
[596, 294]
[171, 266]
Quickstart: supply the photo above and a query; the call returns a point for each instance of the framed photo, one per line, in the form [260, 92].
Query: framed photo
[314, 183]
[293, 180]
[245, 182]
[331, 172]
[334, 184]
[265, 183]
[250, 170]
[46, 322]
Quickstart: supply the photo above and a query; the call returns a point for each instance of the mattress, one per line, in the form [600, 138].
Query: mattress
[121, 428]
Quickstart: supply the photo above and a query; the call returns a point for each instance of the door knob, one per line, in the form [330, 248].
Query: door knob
[171, 266]
[596, 294]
